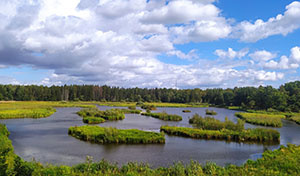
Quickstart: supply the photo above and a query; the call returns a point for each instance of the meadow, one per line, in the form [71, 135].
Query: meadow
[260, 135]
[163, 116]
[273, 120]
[107, 135]
[34, 109]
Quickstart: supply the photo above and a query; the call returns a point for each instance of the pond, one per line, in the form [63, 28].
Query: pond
[46, 140]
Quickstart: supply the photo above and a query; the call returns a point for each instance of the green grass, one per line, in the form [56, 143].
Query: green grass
[283, 161]
[210, 123]
[111, 114]
[106, 135]
[128, 111]
[295, 118]
[163, 116]
[273, 120]
[249, 135]
[212, 112]
[93, 120]
[34, 109]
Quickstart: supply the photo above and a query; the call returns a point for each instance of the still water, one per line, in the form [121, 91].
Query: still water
[46, 140]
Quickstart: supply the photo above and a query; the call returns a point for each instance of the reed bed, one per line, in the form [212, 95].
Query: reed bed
[261, 119]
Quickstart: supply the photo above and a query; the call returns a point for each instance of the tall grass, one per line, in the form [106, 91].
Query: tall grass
[251, 135]
[164, 116]
[210, 123]
[261, 119]
[104, 135]
[93, 120]
[111, 114]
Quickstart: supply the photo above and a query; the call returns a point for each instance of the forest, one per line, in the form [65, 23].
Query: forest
[285, 98]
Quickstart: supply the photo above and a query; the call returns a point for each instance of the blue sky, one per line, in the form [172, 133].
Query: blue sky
[127, 43]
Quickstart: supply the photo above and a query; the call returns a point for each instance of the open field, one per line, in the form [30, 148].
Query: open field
[34, 109]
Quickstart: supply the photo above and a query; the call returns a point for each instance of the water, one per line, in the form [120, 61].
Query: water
[47, 141]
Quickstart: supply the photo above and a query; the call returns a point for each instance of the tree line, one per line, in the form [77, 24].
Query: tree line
[284, 98]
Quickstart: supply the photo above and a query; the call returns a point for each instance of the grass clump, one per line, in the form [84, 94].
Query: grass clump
[186, 111]
[128, 111]
[249, 135]
[93, 120]
[164, 116]
[111, 114]
[105, 135]
[210, 123]
[212, 112]
[148, 107]
[261, 119]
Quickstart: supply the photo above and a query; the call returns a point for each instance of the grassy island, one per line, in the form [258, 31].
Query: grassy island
[107, 135]
[111, 114]
[93, 120]
[273, 120]
[164, 116]
[210, 123]
[249, 135]
[210, 112]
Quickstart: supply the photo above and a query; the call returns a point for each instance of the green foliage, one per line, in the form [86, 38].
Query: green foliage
[148, 107]
[261, 119]
[93, 120]
[186, 111]
[295, 118]
[250, 135]
[132, 107]
[111, 114]
[210, 123]
[212, 112]
[164, 116]
[104, 135]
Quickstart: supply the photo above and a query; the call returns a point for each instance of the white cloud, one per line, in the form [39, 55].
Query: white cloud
[231, 54]
[281, 24]
[285, 62]
[189, 56]
[262, 56]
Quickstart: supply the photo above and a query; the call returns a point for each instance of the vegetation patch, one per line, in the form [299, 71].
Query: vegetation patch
[128, 111]
[186, 111]
[148, 107]
[106, 135]
[261, 119]
[111, 114]
[295, 118]
[210, 123]
[164, 116]
[33, 109]
[212, 112]
[93, 120]
[251, 135]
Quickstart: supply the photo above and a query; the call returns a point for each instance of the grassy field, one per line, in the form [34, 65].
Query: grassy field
[249, 135]
[163, 116]
[34, 109]
[283, 161]
[106, 135]
[263, 119]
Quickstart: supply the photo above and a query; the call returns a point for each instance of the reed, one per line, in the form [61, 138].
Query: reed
[106, 135]
[164, 116]
[212, 112]
[261, 119]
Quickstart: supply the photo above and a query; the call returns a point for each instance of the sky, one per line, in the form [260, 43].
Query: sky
[150, 43]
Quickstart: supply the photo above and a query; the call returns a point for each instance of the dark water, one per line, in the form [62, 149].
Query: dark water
[46, 140]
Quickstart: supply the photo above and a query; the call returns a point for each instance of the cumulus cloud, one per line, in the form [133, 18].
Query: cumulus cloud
[231, 54]
[285, 62]
[117, 42]
[281, 24]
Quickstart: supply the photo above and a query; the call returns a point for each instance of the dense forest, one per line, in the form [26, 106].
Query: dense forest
[285, 98]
